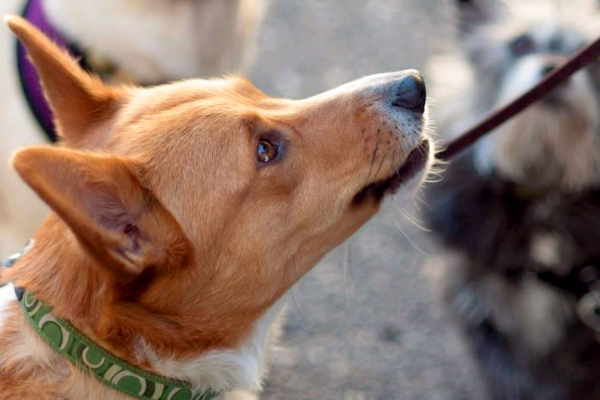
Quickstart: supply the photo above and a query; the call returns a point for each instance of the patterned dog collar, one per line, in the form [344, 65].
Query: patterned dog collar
[101, 364]
[104, 366]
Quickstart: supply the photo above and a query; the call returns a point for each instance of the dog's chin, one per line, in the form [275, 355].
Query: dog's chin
[415, 163]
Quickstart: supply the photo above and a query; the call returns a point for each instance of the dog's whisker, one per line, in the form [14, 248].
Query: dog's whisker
[294, 267]
[414, 220]
[373, 158]
[419, 203]
[419, 199]
[396, 167]
[434, 179]
[346, 265]
[295, 302]
[412, 243]
[383, 161]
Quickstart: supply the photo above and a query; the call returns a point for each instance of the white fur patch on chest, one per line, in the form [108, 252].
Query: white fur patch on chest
[7, 295]
[223, 370]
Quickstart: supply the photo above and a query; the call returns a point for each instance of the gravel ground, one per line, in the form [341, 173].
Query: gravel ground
[369, 327]
[365, 323]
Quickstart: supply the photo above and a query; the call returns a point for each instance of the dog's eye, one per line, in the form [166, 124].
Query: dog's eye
[266, 151]
[521, 45]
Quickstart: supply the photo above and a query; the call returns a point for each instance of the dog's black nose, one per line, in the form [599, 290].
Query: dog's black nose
[409, 92]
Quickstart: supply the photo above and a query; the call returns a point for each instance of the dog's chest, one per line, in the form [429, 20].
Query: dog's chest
[7, 296]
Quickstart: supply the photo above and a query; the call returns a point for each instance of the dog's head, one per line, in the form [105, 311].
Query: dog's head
[511, 45]
[183, 212]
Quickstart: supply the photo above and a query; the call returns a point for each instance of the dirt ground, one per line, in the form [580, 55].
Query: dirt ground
[365, 324]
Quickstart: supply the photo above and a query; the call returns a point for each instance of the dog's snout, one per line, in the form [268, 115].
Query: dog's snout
[409, 93]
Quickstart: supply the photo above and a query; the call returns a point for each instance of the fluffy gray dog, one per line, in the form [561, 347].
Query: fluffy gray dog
[519, 214]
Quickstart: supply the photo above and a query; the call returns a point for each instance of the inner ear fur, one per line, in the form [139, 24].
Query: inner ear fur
[101, 199]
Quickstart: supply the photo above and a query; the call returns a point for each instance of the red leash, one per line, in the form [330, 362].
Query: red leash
[498, 117]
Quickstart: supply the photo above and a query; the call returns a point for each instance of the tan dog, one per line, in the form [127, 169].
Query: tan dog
[182, 214]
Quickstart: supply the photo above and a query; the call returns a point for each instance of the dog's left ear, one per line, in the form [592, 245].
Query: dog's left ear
[101, 199]
[78, 100]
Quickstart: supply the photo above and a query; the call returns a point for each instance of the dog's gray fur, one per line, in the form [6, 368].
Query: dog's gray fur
[527, 197]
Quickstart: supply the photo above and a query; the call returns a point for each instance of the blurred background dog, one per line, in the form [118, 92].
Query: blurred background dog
[519, 213]
[142, 42]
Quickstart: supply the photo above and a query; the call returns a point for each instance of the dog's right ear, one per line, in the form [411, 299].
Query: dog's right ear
[78, 100]
[102, 200]
[472, 13]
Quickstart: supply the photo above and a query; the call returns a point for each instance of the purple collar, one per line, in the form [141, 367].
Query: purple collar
[30, 83]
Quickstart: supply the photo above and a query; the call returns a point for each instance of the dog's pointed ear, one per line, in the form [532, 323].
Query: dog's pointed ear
[102, 200]
[472, 13]
[78, 100]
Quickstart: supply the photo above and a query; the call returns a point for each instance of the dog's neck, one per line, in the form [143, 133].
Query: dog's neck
[78, 296]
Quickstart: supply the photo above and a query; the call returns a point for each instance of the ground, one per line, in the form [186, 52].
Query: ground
[366, 323]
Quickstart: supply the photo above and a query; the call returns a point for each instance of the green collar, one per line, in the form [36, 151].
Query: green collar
[96, 361]
[101, 364]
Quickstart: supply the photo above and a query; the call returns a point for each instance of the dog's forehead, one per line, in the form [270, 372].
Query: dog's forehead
[192, 133]
[183, 111]
[200, 96]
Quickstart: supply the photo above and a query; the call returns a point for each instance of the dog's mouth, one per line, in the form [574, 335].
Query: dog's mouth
[415, 162]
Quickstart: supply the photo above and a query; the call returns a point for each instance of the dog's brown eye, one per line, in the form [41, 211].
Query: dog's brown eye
[521, 45]
[266, 151]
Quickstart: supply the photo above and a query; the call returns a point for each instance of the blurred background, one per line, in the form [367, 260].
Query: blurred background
[365, 323]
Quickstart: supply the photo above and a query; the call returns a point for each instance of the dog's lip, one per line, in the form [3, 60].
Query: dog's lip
[415, 162]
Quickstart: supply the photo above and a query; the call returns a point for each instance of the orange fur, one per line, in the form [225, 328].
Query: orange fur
[216, 240]
[93, 101]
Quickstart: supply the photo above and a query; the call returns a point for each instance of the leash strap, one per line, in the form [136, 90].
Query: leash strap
[579, 60]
